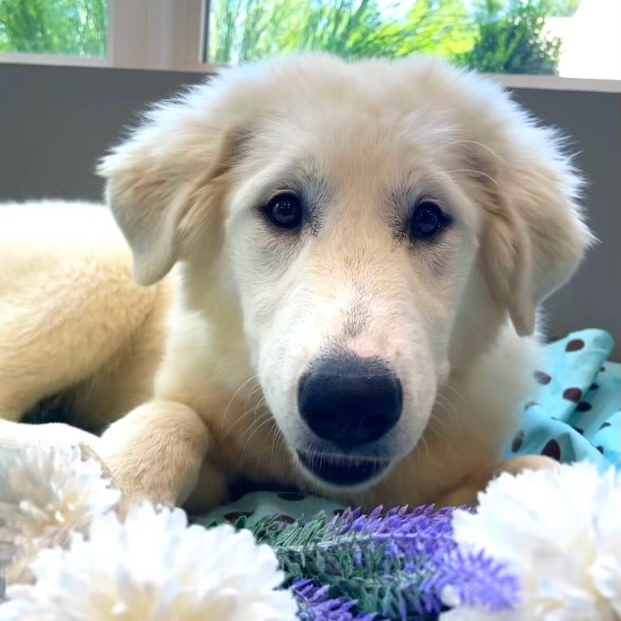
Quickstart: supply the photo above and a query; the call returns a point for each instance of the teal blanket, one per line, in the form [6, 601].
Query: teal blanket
[575, 415]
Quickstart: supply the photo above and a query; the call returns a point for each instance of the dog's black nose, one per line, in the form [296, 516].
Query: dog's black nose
[349, 400]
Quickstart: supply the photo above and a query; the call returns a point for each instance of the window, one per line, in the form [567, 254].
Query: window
[573, 38]
[69, 27]
[570, 38]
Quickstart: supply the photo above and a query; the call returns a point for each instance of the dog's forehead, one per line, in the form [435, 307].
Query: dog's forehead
[342, 148]
[359, 121]
[363, 139]
[381, 90]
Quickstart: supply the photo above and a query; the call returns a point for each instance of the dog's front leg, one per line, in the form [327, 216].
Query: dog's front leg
[156, 453]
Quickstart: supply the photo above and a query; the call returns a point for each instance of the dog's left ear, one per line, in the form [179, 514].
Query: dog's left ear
[533, 236]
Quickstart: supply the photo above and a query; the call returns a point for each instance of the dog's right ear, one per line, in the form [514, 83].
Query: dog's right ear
[167, 182]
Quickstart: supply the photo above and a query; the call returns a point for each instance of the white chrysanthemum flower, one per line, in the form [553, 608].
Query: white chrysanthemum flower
[560, 532]
[153, 567]
[53, 488]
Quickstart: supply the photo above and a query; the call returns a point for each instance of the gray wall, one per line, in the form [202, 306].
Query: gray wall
[56, 121]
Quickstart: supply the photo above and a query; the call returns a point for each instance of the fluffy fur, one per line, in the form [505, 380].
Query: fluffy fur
[197, 365]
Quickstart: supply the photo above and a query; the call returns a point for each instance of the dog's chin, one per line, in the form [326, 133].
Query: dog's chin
[342, 471]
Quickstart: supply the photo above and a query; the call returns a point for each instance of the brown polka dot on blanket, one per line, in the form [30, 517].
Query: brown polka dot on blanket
[573, 394]
[235, 515]
[606, 424]
[518, 440]
[584, 406]
[292, 496]
[552, 449]
[286, 518]
[542, 378]
[574, 345]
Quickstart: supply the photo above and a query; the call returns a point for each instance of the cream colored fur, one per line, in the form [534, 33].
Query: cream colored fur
[197, 366]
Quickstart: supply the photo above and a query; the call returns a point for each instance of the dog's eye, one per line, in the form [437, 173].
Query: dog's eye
[427, 220]
[285, 210]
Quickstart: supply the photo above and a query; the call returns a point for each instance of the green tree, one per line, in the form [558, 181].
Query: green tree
[75, 27]
[563, 8]
[505, 36]
[253, 29]
[514, 39]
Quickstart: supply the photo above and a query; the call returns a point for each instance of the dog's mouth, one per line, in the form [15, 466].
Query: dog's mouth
[342, 470]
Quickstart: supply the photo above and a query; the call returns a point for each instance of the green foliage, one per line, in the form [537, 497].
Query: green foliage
[501, 36]
[254, 29]
[325, 552]
[563, 8]
[75, 27]
[513, 39]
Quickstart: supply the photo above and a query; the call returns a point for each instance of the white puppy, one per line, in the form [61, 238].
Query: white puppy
[340, 268]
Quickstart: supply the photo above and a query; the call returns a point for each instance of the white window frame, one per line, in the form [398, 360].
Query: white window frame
[157, 34]
[169, 35]
[142, 34]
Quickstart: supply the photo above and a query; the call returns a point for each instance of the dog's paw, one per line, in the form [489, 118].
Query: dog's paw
[467, 493]
[516, 465]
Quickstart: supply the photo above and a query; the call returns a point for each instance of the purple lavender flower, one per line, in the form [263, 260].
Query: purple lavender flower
[316, 604]
[418, 558]
[396, 564]
[477, 580]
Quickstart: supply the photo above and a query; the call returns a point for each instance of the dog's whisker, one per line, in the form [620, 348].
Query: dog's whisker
[448, 406]
[277, 441]
[257, 429]
[252, 410]
[253, 426]
[226, 410]
[438, 435]
[253, 392]
[242, 417]
[425, 446]
[260, 404]
[257, 418]
[459, 395]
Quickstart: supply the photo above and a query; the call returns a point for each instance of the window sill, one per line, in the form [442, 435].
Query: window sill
[55, 60]
[556, 83]
[536, 82]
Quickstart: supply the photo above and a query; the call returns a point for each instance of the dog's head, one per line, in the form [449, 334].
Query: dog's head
[376, 223]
